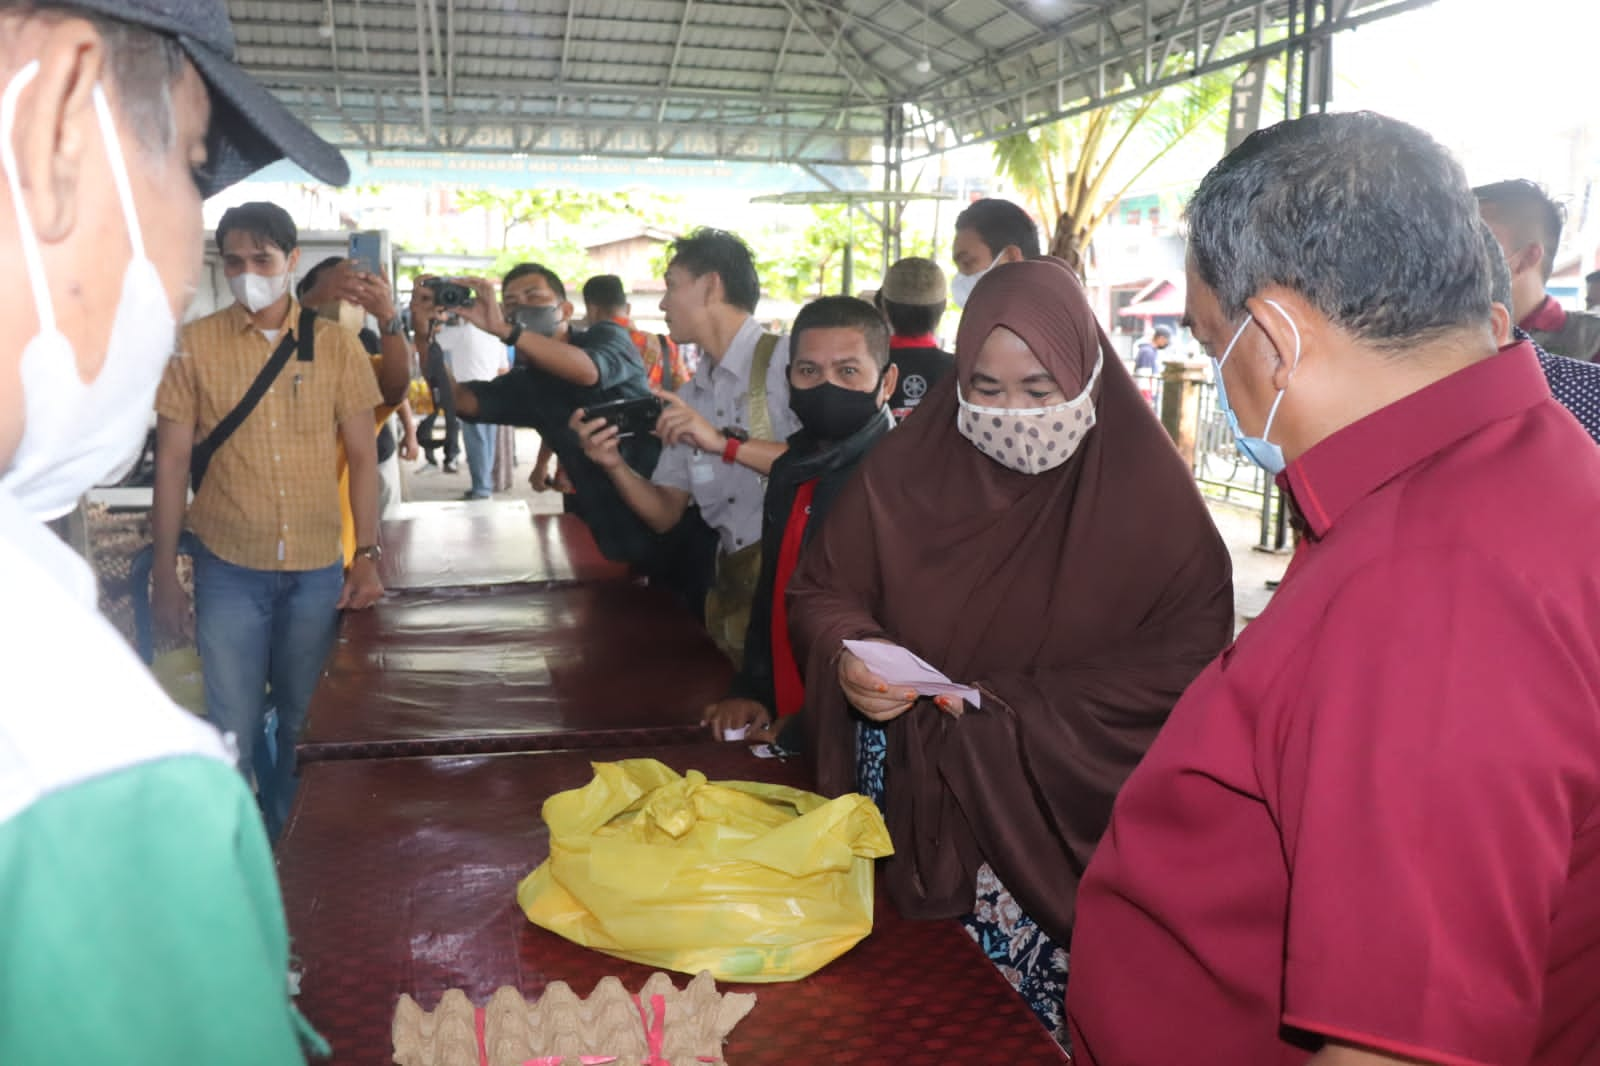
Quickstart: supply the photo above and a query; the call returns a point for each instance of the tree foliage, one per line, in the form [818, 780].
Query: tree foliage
[550, 225]
[1074, 171]
[811, 264]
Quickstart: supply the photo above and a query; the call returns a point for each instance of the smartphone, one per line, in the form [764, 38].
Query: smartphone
[631, 417]
[366, 251]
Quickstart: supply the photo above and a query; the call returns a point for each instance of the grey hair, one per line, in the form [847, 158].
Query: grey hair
[1366, 217]
[144, 66]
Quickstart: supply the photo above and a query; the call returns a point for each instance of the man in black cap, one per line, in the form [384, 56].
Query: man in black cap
[142, 916]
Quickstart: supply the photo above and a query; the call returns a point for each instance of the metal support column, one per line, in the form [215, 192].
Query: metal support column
[894, 150]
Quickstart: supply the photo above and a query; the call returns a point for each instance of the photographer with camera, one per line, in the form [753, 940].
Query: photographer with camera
[468, 354]
[431, 358]
[339, 290]
[723, 429]
[559, 371]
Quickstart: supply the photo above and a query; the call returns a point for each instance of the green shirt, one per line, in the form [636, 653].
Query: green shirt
[140, 921]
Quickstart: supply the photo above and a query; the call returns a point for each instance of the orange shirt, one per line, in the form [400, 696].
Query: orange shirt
[650, 353]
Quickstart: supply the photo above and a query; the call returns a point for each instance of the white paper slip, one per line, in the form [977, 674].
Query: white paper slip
[735, 734]
[899, 668]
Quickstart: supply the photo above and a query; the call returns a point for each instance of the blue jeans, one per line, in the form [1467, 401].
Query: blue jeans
[479, 440]
[261, 630]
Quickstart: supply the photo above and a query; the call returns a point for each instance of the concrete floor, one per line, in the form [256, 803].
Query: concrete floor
[431, 483]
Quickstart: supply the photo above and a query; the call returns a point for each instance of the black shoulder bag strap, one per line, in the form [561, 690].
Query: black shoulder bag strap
[669, 375]
[302, 340]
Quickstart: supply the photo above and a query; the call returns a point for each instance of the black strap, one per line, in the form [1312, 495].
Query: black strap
[669, 375]
[303, 341]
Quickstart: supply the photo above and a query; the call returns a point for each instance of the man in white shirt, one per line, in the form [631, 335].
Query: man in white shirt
[142, 919]
[723, 428]
[474, 355]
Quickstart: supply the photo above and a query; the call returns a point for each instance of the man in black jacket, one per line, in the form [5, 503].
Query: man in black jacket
[840, 381]
[560, 371]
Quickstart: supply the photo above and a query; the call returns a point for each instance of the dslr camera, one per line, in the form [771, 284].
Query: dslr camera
[633, 418]
[447, 293]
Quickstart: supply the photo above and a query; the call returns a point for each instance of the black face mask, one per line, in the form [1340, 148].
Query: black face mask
[541, 320]
[831, 412]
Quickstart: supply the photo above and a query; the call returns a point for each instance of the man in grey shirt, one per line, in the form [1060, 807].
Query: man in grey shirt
[722, 429]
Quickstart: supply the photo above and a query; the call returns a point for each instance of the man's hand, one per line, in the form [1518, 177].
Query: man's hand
[748, 715]
[869, 693]
[376, 296]
[681, 424]
[539, 480]
[170, 606]
[600, 439]
[362, 586]
[410, 448]
[484, 311]
[339, 282]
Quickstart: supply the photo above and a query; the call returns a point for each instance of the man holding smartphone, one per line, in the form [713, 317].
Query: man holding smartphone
[559, 370]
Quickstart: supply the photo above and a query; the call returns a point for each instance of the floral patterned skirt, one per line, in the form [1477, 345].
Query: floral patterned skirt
[1026, 956]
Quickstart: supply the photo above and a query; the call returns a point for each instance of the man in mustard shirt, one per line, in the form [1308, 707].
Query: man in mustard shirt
[269, 576]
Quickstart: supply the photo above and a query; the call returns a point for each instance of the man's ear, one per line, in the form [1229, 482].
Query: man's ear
[1287, 323]
[891, 378]
[566, 311]
[1528, 257]
[1010, 254]
[1500, 324]
[57, 125]
[294, 260]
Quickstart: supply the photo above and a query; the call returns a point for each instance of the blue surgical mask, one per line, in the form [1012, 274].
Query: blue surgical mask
[1259, 450]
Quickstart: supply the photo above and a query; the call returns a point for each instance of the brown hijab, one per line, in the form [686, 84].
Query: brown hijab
[1081, 601]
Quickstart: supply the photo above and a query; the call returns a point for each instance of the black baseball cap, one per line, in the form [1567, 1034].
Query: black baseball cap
[250, 128]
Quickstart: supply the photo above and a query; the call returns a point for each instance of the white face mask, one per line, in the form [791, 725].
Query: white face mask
[1030, 440]
[73, 433]
[257, 292]
[961, 285]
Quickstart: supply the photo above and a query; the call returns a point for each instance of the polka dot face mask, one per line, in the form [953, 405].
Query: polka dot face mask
[1030, 440]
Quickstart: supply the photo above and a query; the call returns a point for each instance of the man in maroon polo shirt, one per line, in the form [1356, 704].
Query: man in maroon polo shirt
[1527, 223]
[1369, 831]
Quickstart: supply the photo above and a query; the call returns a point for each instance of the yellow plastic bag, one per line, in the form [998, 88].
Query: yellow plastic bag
[420, 393]
[752, 882]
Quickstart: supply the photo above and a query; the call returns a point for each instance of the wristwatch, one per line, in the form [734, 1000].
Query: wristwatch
[736, 436]
[395, 327]
[510, 339]
[370, 551]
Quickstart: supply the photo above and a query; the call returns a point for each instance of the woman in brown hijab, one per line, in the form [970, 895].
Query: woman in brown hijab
[1031, 531]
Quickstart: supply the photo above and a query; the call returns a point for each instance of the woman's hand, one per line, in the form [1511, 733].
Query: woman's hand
[869, 693]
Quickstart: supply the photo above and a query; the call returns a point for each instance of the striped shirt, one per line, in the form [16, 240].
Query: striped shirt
[270, 500]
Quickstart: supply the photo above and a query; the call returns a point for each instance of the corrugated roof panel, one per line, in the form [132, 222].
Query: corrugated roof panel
[623, 49]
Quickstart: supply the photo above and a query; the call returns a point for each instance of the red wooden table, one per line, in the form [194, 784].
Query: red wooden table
[400, 875]
[512, 668]
[488, 542]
